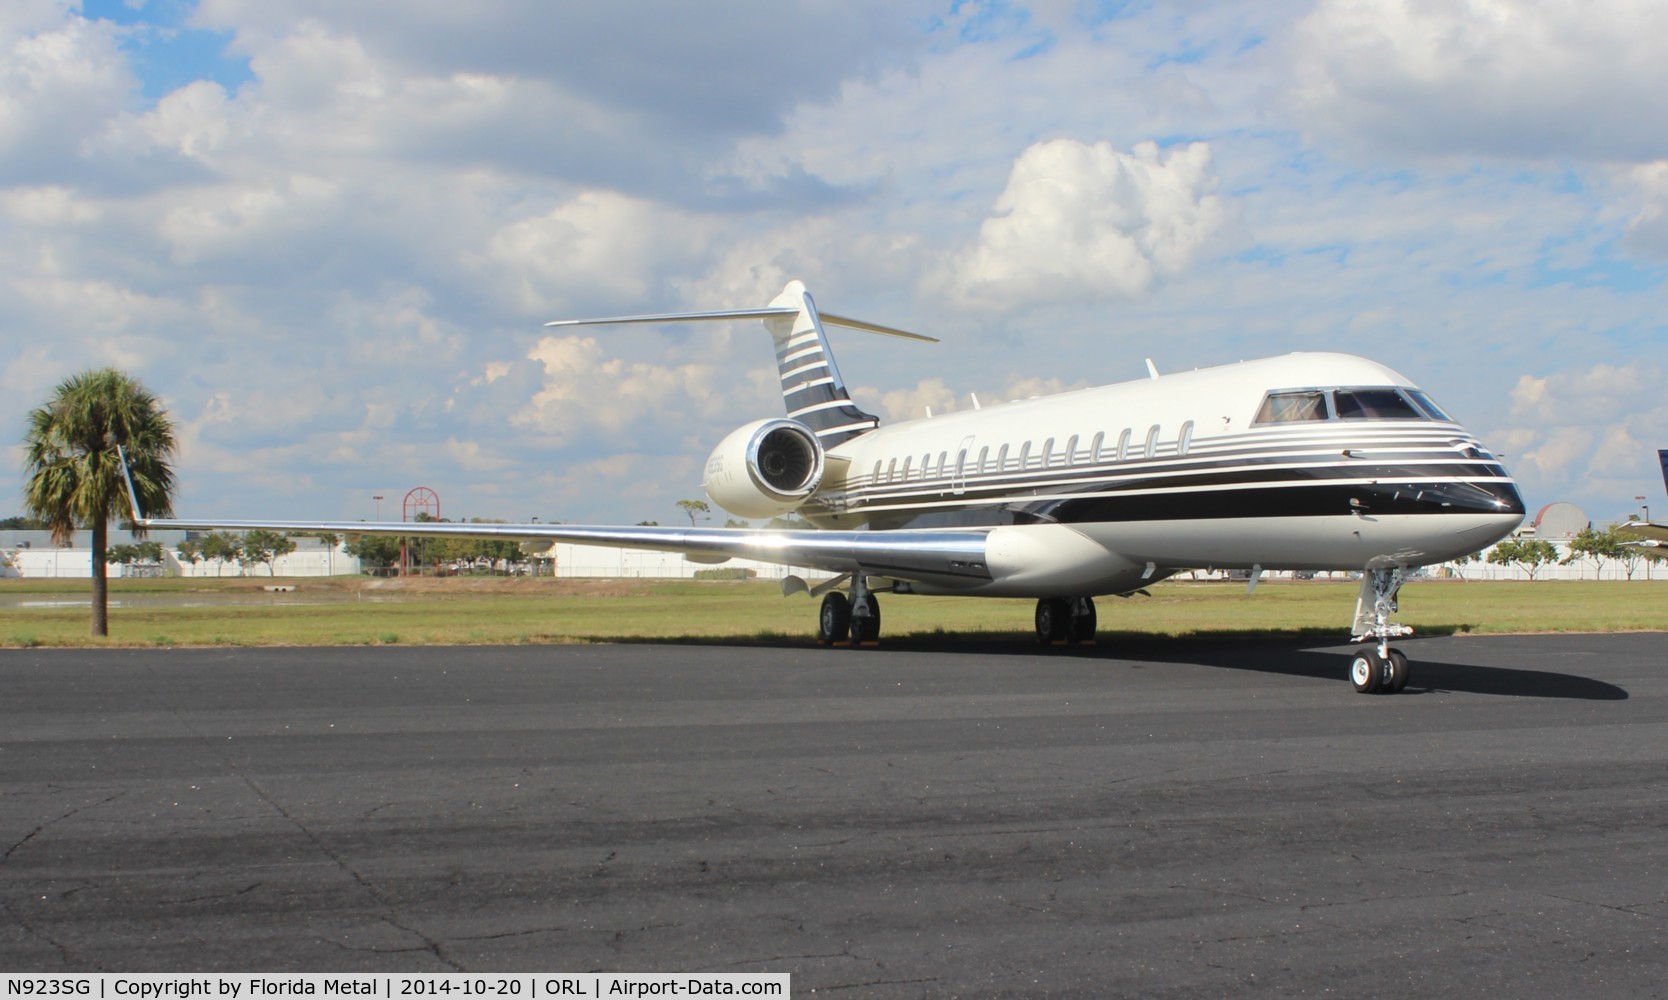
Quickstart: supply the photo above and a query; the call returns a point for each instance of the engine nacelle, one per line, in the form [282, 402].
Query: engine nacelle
[765, 468]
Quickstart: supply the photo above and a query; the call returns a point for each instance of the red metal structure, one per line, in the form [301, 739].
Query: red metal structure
[420, 500]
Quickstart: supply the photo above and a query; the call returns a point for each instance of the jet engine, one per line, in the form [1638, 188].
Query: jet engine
[765, 468]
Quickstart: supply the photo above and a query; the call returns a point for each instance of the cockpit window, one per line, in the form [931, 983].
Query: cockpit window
[1284, 407]
[1386, 403]
[1429, 405]
[1373, 404]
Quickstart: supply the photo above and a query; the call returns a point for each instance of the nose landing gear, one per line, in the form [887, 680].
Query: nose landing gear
[1378, 668]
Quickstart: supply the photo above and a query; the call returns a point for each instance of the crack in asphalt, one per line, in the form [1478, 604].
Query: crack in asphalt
[37, 831]
[215, 895]
[33, 931]
[390, 914]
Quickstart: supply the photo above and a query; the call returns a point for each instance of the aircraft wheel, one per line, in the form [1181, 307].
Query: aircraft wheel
[1366, 671]
[834, 620]
[1396, 672]
[1053, 620]
[1083, 621]
[865, 629]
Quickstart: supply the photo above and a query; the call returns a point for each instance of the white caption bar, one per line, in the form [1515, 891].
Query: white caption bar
[438, 986]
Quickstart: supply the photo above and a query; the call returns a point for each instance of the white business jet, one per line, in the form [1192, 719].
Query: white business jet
[1302, 462]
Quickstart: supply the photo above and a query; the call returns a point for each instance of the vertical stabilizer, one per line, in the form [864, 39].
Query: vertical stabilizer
[812, 389]
[811, 385]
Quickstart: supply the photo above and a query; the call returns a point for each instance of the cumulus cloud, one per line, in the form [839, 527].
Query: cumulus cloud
[1598, 426]
[1510, 78]
[61, 80]
[1087, 222]
[598, 245]
[1647, 226]
[334, 268]
[583, 391]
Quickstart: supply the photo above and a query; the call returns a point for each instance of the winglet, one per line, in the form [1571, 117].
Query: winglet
[132, 494]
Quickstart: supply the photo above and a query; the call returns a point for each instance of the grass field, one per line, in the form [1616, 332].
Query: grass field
[464, 611]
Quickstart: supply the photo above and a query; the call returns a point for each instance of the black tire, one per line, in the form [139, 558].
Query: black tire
[834, 619]
[1084, 621]
[1366, 671]
[1053, 620]
[866, 629]
[1396, 672]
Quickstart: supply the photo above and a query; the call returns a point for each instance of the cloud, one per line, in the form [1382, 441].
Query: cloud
[1537, 79]
[583, 393]
[334, 267]
[597, 245]
[1598, 426]
[61, 79]
[1087, 222]
[1647, 225]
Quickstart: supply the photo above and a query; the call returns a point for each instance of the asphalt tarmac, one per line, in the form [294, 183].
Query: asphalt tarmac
[1164, 819]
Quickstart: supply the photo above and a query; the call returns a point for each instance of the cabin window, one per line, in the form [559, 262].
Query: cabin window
[961, 463]
[1373, 404]
[1002, 459]
[943, 462]
[906, 468]
[1123, 445]
[1287, 407]
[1025, 455]
[1071, 450]
[876, 477]
[1184, 440]
[984, 453]
[1048, 453]
[926, 466]
[892, 471]
[1095, 445]
[1152, 441]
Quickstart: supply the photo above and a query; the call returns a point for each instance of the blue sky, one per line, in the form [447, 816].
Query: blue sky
[328, 234]
[165, 50]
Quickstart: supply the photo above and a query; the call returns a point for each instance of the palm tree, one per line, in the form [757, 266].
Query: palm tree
[75, 476]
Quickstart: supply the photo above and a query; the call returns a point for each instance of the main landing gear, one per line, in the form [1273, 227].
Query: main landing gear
[1377, 668]
[855, 620]
[850, 621]
[1064, 621]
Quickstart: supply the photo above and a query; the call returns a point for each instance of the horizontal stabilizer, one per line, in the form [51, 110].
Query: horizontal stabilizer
[763, 312]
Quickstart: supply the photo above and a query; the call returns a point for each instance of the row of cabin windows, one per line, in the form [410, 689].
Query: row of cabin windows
[1099, 450]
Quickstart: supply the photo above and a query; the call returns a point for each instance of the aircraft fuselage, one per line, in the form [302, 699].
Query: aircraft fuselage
[1350, 466]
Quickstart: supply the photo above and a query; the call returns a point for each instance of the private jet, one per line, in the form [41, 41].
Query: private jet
[1308, 462]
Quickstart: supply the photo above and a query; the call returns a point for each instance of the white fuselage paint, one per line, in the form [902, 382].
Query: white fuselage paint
[1182, 440]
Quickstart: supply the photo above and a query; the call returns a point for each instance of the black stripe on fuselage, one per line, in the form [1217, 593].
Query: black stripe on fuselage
[1313, 499]
[1164, 475]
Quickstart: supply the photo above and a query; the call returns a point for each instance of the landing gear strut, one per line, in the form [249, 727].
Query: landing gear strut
[1062, 621]
[853, 621]
[1378, 668]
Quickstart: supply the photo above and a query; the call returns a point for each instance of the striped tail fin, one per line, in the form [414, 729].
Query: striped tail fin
[812, 389]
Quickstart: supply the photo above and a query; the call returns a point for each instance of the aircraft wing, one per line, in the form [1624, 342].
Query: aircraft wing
[1647, 533]
[944, 557]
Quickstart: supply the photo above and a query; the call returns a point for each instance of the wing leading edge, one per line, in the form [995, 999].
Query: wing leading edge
[948, 558]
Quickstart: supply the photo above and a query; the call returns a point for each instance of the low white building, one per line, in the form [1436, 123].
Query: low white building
[31, 554]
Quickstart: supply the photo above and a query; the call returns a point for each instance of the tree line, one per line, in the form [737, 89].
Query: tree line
[1588, 545]
[383, 551]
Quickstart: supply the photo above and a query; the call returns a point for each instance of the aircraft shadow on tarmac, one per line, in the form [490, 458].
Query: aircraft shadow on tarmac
[1298, 659]
[1292, 656]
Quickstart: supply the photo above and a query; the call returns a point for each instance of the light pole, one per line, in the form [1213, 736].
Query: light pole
[378, 498]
